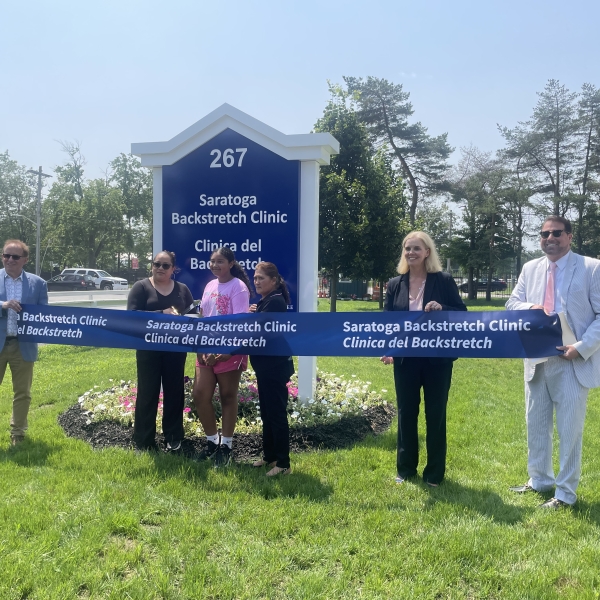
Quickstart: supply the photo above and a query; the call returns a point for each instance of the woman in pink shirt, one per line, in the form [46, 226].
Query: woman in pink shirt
[228, 294]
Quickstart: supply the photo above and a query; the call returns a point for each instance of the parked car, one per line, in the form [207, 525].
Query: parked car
[71, 282]
[102, 279]
[497, 285]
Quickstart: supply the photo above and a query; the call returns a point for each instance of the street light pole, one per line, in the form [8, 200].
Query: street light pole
[38, 236]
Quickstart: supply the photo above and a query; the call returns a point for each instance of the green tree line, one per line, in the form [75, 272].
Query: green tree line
[390, 176]
[96, 223]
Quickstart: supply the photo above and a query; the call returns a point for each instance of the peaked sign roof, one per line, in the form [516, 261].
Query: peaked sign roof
[307, 146]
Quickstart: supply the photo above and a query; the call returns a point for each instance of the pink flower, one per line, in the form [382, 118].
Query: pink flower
[187, 409]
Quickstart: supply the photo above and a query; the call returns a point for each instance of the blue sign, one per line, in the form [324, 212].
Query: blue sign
[503, 334]
[232, 192]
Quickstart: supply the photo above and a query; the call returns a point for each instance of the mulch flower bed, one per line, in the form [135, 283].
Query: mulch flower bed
[339, 434]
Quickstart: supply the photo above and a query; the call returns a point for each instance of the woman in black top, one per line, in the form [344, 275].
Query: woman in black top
[160, 293]
[421, 286]
[272, 376]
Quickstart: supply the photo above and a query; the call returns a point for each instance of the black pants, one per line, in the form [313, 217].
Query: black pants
[410, 375]
[154, 368]
[273, 399]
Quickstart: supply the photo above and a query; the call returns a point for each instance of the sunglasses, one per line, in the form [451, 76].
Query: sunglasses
[13, 256]
[554, 232]
[165, 266]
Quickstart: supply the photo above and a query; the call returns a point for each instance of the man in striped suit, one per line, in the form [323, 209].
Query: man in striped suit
[562, 281]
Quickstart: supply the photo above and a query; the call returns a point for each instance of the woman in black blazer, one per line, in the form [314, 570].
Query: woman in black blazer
[421, 286]
[272, 376]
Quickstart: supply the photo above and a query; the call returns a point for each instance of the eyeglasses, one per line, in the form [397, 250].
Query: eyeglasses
[165, 266]
[13, 256]
[554, 232]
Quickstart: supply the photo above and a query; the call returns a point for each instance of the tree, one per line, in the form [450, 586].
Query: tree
[438, 220]
[385, 110]
[588, 167]
[17, 201]
[85, 216]
[134, 183]
[341, 190]
[544, 146]
[480, 187]
[385, 222]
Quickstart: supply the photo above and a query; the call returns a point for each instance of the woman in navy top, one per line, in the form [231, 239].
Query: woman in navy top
[272, 376]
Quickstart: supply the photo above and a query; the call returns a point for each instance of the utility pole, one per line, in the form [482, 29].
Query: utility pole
[448, 265]
[38, 220]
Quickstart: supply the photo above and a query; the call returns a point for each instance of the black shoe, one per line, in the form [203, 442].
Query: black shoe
[522, 489]
[554, 504]
[208, 452]
[173, 447]
[222, 456]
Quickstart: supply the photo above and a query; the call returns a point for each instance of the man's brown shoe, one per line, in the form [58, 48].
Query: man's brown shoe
[15, 440]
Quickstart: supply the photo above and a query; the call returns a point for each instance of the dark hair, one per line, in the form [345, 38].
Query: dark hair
[171, 256]
[564, 222]
[236, 270]
[270, 270]
[23, 245]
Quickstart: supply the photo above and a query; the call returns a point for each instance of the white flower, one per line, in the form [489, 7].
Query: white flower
[353, 375]
[384, 391]
[101, 407]
[311, 401]
[295, 414]
[368, 383]
[323, 401]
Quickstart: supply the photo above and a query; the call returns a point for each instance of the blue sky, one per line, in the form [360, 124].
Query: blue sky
[114, 72]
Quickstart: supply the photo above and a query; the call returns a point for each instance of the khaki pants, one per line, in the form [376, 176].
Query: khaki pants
[22, 377]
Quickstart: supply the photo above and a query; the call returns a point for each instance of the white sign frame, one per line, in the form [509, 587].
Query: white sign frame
[311, 149]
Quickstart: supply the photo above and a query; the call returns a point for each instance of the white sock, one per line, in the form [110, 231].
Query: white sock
[213, 438]
[228, 441]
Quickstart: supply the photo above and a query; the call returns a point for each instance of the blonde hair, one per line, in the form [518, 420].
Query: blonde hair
[432, 262]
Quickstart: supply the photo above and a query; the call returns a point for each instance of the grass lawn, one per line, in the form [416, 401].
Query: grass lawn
[78, 523]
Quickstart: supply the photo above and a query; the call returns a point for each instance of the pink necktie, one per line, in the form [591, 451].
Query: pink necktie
[549, 297]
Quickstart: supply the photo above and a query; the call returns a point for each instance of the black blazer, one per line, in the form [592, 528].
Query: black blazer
[272, 366]
[439, 287]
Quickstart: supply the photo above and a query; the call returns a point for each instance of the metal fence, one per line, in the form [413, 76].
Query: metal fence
[501, 286]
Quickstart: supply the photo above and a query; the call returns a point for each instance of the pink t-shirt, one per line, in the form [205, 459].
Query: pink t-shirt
[228, 298]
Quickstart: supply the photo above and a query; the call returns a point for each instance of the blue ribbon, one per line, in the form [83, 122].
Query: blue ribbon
[502, 334]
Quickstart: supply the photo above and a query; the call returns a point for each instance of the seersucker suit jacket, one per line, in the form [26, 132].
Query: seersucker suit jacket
[35, 291]
[580, 297]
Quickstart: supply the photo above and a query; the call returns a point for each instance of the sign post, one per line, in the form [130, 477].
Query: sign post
[230, 180]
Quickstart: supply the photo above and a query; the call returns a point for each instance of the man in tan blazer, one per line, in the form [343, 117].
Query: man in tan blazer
[562, 281]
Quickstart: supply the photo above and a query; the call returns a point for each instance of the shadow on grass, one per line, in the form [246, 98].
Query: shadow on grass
[241, 476]
[29, 453]
[587, 511]
[483, 501]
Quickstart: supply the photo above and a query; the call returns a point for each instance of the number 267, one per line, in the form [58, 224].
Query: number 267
[227, 159]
